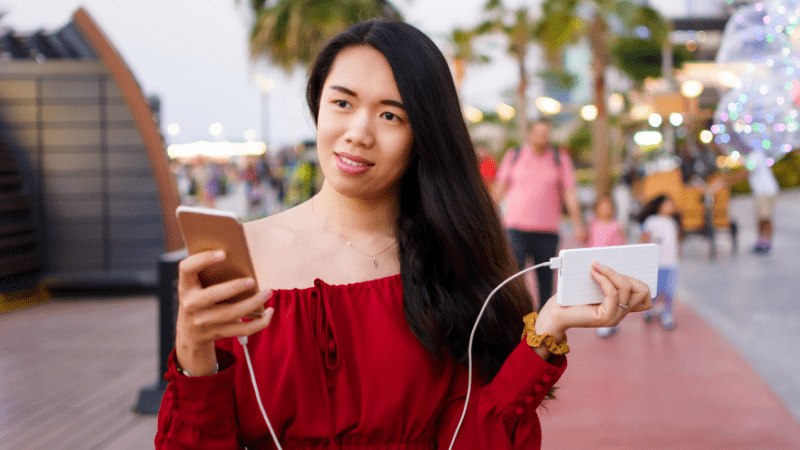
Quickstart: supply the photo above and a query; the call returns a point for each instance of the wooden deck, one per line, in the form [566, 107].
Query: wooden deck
[70, 373]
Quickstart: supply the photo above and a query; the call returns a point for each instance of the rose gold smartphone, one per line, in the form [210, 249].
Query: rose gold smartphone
[210, 229]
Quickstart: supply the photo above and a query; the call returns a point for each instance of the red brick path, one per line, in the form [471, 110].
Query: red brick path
[646, 388]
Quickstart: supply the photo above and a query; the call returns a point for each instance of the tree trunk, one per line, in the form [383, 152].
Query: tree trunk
[600, 126]
[522, 97]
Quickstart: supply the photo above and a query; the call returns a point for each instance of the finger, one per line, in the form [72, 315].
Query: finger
[610, 302]
[644, 306]
[190, 266]
[250, 327]
[251, 307]
[226, 290]
[640, 295]
[218, 316]
[620, 281]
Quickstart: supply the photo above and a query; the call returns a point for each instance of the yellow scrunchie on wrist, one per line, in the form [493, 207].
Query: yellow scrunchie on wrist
[537, 340]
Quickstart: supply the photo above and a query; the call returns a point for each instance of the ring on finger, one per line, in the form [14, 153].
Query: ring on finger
[622, 306]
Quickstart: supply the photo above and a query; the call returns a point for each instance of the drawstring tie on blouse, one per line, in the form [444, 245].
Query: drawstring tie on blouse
[329, 355]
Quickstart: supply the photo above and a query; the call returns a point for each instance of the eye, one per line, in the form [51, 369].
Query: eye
[391, 117]
[341, 103]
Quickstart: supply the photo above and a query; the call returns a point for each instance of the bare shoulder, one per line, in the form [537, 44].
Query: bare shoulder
[278, 245]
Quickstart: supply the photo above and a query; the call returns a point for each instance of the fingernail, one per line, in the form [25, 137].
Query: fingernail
[250, 282]
[269, 312]
[219, 255]
[268, 293]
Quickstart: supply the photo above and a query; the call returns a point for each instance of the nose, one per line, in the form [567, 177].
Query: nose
[360, 132]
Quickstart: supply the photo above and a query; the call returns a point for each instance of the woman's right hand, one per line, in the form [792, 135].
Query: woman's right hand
[204, 317]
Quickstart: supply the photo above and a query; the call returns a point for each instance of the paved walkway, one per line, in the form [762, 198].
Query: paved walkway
[754, 301]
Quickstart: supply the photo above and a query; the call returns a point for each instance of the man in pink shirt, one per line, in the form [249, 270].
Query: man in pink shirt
[534, 181]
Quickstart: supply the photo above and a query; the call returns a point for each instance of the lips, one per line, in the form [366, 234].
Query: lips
[351, 164]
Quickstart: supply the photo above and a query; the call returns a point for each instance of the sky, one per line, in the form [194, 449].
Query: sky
[194, 55]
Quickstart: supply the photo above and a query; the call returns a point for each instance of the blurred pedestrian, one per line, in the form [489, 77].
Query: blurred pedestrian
[661, 225]
[605, 231]
[253, 188]
[534, 181]
[765, 190]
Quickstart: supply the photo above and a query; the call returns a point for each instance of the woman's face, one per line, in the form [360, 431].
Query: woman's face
[363, 134]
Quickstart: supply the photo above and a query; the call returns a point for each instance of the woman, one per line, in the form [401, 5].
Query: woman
[406, 238]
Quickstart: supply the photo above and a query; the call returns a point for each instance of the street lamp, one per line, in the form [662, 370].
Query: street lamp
[265, 85]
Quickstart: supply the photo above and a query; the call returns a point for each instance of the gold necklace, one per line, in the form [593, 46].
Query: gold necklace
[347, 241]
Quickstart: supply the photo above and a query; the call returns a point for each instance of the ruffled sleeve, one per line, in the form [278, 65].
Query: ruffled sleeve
[502, 414]
[198, 412]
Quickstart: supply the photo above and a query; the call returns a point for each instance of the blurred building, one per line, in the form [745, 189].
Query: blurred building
[86, 196]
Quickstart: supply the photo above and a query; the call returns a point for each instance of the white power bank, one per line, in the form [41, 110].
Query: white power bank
[576, 285]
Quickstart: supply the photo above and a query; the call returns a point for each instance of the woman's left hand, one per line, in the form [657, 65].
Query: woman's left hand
[623, 295]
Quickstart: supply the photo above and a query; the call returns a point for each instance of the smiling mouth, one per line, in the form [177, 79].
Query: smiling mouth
[353, 163]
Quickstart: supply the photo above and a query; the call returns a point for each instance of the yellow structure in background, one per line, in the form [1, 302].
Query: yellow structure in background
[23, 299]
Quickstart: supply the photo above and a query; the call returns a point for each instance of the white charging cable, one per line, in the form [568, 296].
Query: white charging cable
[554, 263]
[243, 341]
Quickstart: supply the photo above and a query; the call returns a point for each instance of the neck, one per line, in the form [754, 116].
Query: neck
[357, 216]
[538, 149]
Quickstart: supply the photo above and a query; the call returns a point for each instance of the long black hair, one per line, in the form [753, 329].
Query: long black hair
[453, 249]
[652, 208]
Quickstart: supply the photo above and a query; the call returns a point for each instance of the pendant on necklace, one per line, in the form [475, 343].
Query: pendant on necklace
[374, 262]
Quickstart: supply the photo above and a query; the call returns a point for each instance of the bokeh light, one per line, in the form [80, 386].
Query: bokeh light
[589, 113]
[759, 112]
[654, 120]
[472, 114]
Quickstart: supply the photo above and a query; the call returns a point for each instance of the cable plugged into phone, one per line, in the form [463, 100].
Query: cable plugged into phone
[243, 341]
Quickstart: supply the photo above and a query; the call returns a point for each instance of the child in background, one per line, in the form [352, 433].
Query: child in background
[605, 231]
[660, 225]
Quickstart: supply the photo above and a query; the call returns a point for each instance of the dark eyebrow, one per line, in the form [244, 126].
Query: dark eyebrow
[349, 92]
[393, 103]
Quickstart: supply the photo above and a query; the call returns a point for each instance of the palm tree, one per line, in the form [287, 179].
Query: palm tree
[568, 21]
[464, 54]
[518, 28]
[292, 32]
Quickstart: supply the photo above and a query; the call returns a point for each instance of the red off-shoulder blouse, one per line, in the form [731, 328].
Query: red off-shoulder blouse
[338, 367]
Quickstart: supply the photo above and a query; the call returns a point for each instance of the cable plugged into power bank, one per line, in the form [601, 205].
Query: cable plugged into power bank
[555, 263]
